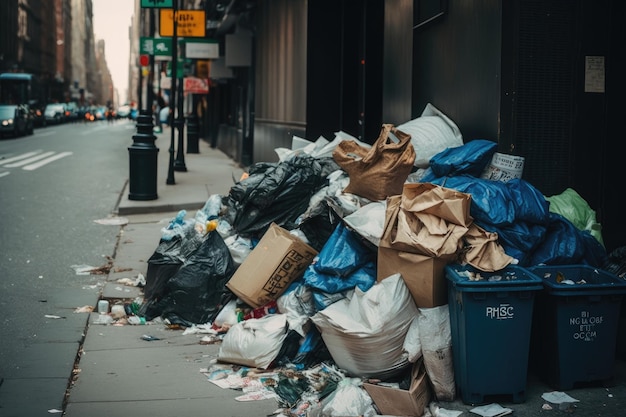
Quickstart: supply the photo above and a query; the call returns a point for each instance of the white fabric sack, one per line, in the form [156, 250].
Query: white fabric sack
[365, 333]
[431, 133]
[412, 344]
[436, 339]
[254, 342]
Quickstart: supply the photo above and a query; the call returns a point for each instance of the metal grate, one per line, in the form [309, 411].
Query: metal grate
[544, 110]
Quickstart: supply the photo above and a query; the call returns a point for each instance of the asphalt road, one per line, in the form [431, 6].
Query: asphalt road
[54, 185]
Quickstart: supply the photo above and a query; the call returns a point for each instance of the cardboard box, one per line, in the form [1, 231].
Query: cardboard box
[275, 262]
[399, 402]
[423, 275]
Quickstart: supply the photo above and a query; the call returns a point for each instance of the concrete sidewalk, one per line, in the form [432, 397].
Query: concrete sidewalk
[122, 374]
[119, 373]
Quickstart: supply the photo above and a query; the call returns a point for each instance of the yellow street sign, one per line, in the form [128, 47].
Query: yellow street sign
[189, 23]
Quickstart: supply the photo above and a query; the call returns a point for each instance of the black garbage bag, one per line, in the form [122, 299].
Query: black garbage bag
[197, 291]
[162, 265]
[318, 227]
[167, 259]
[273, 193]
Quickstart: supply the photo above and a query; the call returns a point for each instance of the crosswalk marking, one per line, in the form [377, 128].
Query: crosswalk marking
[43, 162]
[17, 158]
[30, 161]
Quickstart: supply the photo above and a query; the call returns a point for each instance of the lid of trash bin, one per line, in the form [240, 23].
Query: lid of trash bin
[511, 278]
[572, 279]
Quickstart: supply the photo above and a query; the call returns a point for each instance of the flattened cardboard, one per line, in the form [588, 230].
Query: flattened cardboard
[399, 402]
[275, 262]
[423, 275]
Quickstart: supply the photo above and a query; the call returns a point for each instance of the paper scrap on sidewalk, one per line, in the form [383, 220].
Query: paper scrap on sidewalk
[83, 269]
[560, 400]
[113, 221]
[437, 411]
[491, 410]
[558, 397]
[253, 387]
[263, 394]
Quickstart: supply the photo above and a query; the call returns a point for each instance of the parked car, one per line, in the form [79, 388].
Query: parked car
[15, 120]
[71, 111]
[37, 112]
[55, 113]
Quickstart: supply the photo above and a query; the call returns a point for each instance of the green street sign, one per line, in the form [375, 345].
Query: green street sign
[146, 46]
[162, 46]
[157, 3]
[155, 46]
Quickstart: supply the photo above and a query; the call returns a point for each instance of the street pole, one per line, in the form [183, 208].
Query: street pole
[179, 164]
[170, 169]
[151, 66]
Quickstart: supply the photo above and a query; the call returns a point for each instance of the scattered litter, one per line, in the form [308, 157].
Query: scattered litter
[560, 400]
[103, 269]
[211, 340]
[262, 394]
[140, 281]
[96, 270]
[134, 320]
[436, 411]
[149, 338]
[200, 328]
[52, 316]
[83, 269]
[491, 410]
[54, 411]
[122, 289]
[84, 309]
[103, 319]
[113, 221]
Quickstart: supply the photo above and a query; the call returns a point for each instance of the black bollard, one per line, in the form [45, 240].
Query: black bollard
[192, 134]
[143, 161]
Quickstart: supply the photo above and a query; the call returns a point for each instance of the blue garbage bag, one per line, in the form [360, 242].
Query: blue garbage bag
[343, 252]
[565, 244]
[471, 158]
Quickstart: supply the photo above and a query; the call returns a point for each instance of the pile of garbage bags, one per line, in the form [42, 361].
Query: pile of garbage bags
[342, 309]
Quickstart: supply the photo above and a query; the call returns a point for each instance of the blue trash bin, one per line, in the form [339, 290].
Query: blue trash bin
[490, 322]
[575, 325]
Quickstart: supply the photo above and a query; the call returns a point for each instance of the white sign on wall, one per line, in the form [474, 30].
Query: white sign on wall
[202, 50]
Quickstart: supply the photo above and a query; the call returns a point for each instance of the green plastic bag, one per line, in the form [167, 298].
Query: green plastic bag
[574, 208]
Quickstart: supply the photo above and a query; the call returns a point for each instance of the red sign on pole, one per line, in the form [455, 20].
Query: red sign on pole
[195, 85]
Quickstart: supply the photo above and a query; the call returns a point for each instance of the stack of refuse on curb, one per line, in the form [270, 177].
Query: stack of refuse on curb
[323, 273]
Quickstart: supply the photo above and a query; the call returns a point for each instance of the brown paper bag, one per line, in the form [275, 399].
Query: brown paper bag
[380, 171]
[483, 251]
[427, 219]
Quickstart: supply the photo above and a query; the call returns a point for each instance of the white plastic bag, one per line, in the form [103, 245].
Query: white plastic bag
[254, 342]
[431, 133]
[349, 399]
[369, 221]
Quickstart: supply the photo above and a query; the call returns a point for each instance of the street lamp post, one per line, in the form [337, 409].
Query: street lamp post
[170, 169]
[179, 164]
